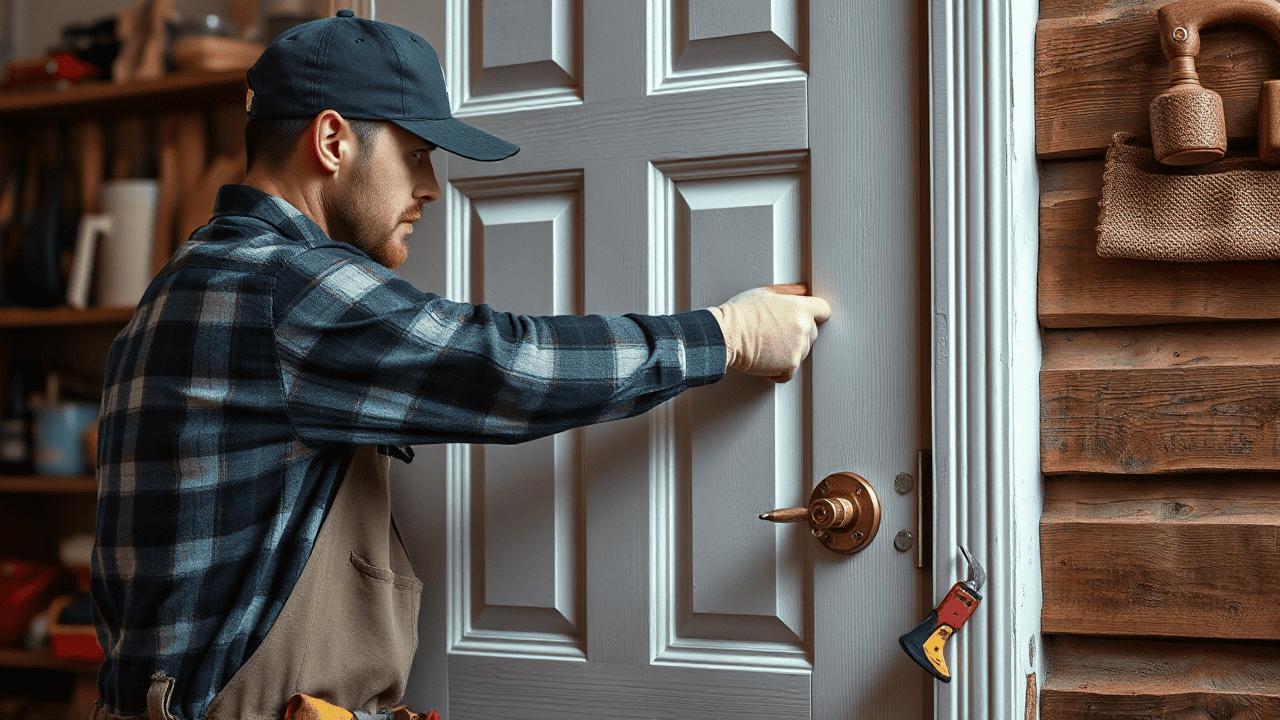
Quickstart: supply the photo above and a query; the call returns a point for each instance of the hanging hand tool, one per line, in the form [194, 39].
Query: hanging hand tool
[925, 644]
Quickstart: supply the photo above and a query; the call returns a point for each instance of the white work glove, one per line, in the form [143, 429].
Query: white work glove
[768, 331]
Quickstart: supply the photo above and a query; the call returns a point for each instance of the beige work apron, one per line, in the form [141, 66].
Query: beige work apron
[348, 631]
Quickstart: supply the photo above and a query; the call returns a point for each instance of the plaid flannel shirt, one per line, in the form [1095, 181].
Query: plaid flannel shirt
[256, 361]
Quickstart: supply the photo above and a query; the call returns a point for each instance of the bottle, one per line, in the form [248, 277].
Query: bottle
[15, 430]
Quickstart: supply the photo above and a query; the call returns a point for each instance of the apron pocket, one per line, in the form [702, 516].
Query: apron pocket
[383, 574]
[349, 629]
[371, 635]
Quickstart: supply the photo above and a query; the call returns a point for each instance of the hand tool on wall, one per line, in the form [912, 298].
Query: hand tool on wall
[1188, 126]
[129, 35]
[167, 203]
[228, 125]
[925, 644]
[90, 141]
[192, 153]
[142, 31]
[33, 272]
[91, 150]
[197, 207]
[129, 148]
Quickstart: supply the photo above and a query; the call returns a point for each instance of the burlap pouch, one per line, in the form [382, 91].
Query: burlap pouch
[1225, 210]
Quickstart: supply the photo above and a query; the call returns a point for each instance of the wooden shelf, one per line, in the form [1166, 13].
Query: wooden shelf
[41, 484]
[168, 93]
[61, 316]
[43, 660]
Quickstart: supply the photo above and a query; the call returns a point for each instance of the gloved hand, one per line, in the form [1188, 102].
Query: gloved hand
[768, 331]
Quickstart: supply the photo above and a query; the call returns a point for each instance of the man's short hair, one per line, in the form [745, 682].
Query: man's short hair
[271, 141]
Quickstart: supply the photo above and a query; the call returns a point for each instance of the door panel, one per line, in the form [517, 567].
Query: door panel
[483, 687]
[737, 591]
[675, 153]
[699, 43]
[521, 51]
[870, 368]
[521, 246]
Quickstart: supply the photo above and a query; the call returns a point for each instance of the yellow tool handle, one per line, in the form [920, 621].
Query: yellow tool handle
[925, 645]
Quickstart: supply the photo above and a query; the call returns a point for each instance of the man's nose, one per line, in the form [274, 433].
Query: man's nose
[428, 189]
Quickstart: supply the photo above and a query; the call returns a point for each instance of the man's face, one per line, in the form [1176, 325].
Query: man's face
[373, 206]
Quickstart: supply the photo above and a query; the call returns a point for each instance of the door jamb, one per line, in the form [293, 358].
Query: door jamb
[984, 202]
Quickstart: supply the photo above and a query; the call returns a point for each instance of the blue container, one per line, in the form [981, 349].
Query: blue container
[59, 432]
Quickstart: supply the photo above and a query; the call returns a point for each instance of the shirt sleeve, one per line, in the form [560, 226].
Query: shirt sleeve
[367, 358]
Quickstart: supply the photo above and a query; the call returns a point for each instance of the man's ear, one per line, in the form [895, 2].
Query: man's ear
[333, 143]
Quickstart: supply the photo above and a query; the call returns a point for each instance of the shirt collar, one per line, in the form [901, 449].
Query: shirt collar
[248, 201]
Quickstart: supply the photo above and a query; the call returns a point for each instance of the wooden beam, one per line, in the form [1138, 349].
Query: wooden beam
[1079, 289]
[20, 317]
[1099, 65]
[1174, 398]
[1098, 679]
[176, 90]
[1176, 556]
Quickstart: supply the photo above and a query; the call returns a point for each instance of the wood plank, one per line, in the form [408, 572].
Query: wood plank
[22, 317]
[47, 484]
[1161, 399]
[1175, 556]
[1079, 289]
[1125, 680]
[172, 91]
[1098, 68]
[1059, 9]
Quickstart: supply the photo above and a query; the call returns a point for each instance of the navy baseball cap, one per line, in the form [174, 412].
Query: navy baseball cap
[366, 70]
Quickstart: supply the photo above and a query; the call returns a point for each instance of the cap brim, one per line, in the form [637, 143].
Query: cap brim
[460, 138]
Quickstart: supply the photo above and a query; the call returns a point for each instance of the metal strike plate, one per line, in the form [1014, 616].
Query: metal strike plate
[843, 513]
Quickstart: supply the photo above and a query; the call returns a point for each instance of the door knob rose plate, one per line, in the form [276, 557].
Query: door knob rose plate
[843, 513]
[863, 521]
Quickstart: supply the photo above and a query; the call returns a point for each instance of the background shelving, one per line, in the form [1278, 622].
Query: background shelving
[36, 511]
[48, 484]
[18, 317]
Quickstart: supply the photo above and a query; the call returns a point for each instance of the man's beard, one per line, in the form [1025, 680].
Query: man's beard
[351, 221]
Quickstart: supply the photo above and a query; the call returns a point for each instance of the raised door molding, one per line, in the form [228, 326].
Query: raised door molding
[542, 67]
[518, 545]
[707, 603]
[986, 356]
[721, 44]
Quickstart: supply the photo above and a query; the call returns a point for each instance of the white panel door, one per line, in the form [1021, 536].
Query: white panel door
[674, 153]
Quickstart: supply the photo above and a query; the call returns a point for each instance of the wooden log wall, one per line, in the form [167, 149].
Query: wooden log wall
[1160, 404]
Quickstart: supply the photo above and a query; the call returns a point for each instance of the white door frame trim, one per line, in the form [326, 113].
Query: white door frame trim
[986, 352]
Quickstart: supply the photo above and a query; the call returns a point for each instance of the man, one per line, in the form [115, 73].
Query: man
[246, 551]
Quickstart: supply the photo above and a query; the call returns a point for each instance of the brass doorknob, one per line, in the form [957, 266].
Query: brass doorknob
[843, 513]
